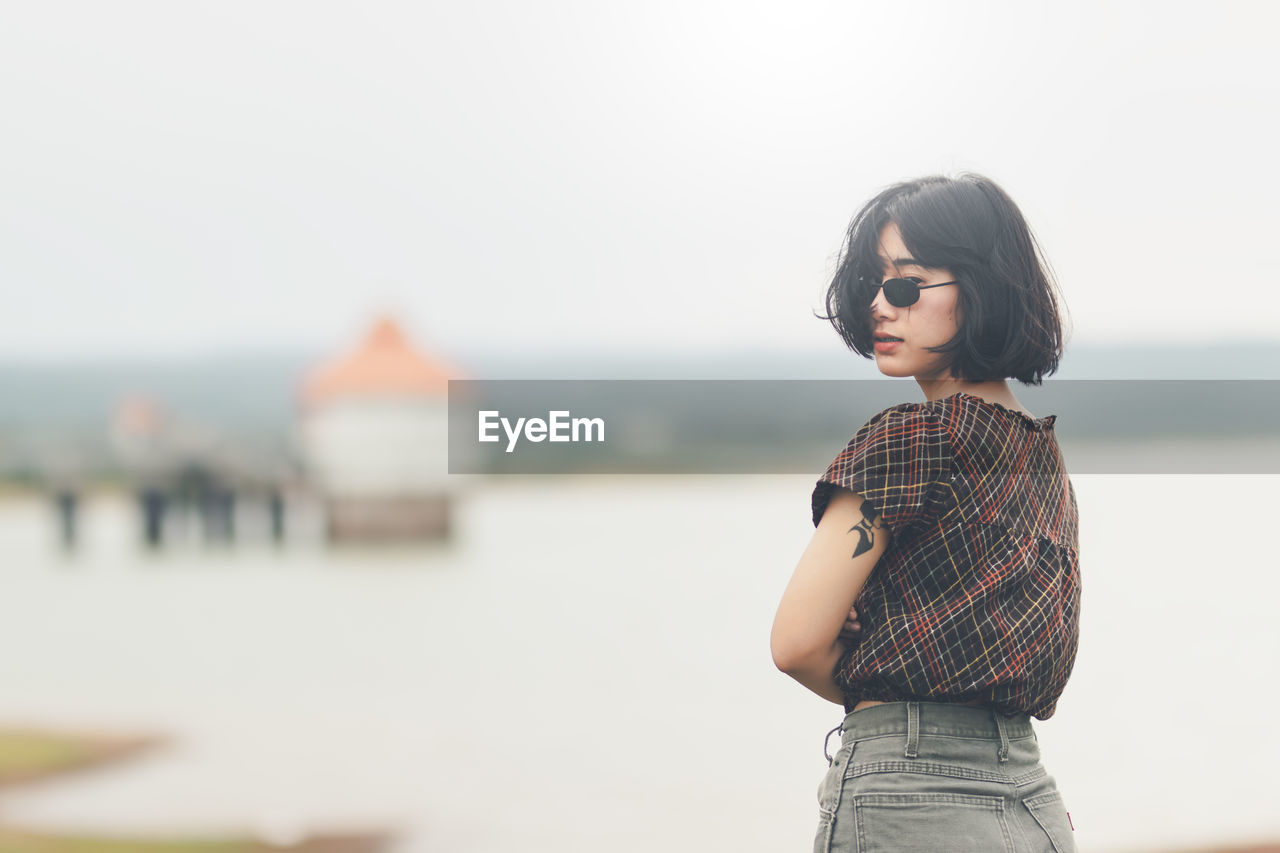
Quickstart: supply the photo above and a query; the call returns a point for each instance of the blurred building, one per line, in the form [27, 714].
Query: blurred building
[373, 430]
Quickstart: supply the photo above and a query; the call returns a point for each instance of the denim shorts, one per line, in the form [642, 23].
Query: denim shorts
[929, 776]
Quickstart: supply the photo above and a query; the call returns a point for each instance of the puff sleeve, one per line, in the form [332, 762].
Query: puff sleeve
[898, 460]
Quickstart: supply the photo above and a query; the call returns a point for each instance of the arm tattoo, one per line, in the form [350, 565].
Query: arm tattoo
[871, 522]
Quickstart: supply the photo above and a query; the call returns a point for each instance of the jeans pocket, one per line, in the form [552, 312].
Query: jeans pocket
[1051, 813]
[927, 823]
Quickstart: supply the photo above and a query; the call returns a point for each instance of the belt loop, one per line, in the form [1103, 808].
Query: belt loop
[913, 729]
[830, 758]
[1003, 754]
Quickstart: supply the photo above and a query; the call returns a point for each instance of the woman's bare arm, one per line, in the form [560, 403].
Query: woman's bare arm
[844, 549]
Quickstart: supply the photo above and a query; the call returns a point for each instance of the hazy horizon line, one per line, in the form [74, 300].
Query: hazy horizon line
[299, 350]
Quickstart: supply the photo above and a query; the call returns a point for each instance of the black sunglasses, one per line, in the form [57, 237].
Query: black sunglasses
[901, 292]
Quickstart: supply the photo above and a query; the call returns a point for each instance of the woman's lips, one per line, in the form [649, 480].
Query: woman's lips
[887, 346]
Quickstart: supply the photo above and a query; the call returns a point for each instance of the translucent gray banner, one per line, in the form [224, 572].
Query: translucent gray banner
[1205, 426]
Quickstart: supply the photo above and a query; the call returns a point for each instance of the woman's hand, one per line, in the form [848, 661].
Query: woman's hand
[851, 625]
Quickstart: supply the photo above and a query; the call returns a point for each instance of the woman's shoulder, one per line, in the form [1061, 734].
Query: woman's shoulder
[897, 435]
[901, 419]
[963, 409]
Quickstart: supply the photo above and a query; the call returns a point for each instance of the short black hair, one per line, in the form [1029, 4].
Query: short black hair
[1010, 324]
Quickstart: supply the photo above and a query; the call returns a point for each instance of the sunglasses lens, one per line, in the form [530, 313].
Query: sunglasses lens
[901, 292]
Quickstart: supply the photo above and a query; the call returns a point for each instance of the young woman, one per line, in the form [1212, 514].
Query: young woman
[938, 600]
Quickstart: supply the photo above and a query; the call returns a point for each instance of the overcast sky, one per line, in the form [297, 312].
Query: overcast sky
[182, 176]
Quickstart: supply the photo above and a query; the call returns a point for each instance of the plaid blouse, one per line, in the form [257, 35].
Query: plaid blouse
[977, 596]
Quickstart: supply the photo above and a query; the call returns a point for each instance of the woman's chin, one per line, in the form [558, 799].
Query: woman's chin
[888, 368]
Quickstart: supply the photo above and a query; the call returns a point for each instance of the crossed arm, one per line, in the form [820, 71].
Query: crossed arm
[816, 604]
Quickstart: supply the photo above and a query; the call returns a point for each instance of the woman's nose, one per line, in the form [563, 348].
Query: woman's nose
[880, 307]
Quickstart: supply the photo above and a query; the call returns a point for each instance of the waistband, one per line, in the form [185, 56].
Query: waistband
[933, 718]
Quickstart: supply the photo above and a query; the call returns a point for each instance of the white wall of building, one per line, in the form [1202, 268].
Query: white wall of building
[378, 445]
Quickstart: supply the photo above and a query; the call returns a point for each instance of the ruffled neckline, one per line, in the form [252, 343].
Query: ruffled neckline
[1038, 423]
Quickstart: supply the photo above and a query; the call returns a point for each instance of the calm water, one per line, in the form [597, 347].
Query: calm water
[588, 668]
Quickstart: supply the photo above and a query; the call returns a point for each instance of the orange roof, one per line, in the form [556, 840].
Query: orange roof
[138, 414]
[385, 363]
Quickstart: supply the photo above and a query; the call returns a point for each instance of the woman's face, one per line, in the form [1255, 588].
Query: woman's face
[931, 321]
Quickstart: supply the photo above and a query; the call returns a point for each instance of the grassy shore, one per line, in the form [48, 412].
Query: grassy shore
[28, 755]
